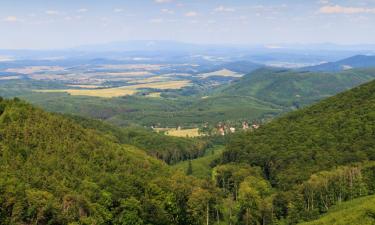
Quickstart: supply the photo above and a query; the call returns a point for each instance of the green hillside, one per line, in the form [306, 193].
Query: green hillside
[296, 88]
[200, 167]
[336, 131]
[167, 148]
[359, 211]
[358, 61]
[54, 171]
[313, 158]
[183, 111]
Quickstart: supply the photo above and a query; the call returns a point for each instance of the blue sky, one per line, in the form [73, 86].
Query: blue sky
[66, 23]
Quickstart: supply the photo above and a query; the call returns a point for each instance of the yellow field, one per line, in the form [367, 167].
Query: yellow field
[128, 74]
[84, 86]
[183, 132]
[223, 73]
[149, 67]
[122, 91]
[149, 80]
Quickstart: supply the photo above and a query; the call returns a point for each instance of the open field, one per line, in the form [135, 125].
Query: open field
[121, 91]
[194, 132]
[85, 86]
[183, 132]
[149, 67]
[222, 73]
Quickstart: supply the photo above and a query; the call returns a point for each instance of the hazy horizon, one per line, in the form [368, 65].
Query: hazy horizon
[38, 24]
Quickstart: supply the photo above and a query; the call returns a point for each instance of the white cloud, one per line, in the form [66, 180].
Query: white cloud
[83, 10]
[118, 10]
[167, 11]
[52, 12]
[324, 2]
[224, 9]
[156, 20]
[11, 19]
[337, 9]
[191, 14]
[163, 1]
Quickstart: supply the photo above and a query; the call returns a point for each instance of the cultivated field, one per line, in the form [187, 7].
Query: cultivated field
[183, 132]
[222, 73]
[122, 91]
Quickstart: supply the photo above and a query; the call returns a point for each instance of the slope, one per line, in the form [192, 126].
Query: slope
[358, 61]
[295, 88]
[167, 148]
[359, 211]
[336, 131]
[54, 171]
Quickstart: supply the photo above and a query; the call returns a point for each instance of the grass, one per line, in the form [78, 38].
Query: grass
[359, 211]
[194, 132]
[183, 132]
[201, 166]
[121, 91]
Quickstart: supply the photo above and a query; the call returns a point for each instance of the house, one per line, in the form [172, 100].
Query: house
[245, 125]
[221, 130]
[255, 126]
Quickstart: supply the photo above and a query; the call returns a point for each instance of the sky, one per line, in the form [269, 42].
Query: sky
[56, 24]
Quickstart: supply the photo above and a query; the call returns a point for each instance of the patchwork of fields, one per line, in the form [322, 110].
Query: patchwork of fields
[109, 81]
[122, 91]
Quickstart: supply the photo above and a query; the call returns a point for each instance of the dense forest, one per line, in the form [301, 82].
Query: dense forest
[315, 157]
[167, 148]
[58, 169]
[54, 171]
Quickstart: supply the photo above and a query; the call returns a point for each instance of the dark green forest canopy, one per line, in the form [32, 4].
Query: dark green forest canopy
[54, 171]
[167, 148]
[337, 131]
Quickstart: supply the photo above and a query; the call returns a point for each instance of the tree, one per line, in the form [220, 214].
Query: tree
[189, 170]
[129, 213]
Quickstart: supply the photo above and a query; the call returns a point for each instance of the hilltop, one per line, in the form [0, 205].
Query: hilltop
[358, 61]
[295, 88]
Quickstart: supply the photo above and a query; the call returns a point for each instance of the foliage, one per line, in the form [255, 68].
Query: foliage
[167, 148]
[293, 88]
[54, 171]
[336, 131]
[358, 211]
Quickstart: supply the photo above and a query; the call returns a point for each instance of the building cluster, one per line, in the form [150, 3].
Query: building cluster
[223, 129]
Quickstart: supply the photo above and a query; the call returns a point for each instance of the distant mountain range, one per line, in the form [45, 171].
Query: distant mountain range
[358, 61]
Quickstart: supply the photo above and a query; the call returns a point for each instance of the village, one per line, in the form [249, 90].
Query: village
[221, 129]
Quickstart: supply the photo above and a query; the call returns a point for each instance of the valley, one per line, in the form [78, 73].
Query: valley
[114, 141]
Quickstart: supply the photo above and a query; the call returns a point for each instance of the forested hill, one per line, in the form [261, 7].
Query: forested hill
[337, 131]
[167, 148]
[53, 171]
[296, 88]
[358, 61]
